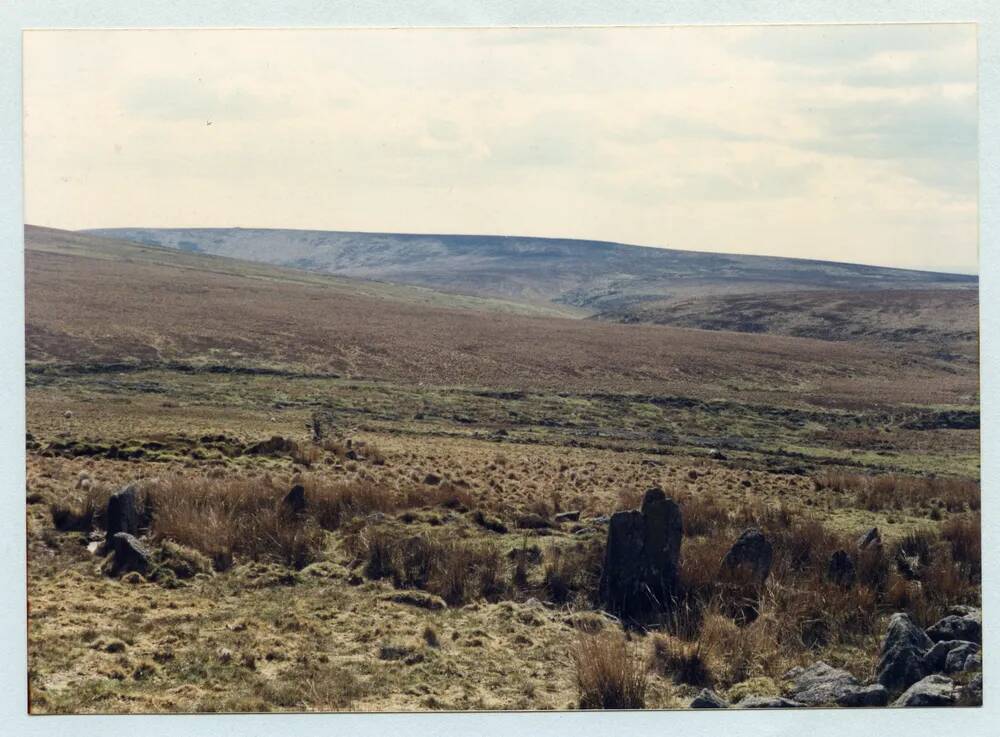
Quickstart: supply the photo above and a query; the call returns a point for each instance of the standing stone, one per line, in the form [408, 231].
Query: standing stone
[841, 569]
[122, 513]
[870, 539]
[322, 423]
[749, 560]
[295, 500]
[639, 576]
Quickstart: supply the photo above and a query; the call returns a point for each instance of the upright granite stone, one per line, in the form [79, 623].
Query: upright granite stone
[295, 500]
[749, 560]
[639, 577]
[122, 513]
[841, 569]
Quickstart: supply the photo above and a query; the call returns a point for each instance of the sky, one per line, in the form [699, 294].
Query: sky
[847, 143]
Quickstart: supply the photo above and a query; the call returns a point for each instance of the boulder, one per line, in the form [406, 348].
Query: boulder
[935, 657]
[870, 539]
[901, 661]
[708, 699]
[749, 560]
[955, 660]
[295, 500]
[122, 513]
[840, 570]
[128, 554]
[973, 662]
[873, 695]
[972, 694]
[820, 684]
[957, 627]
[933, 690]
[902, 630]
[767, 702]
[639, 576]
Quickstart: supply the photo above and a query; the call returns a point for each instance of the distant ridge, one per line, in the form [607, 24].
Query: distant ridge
[594, 276]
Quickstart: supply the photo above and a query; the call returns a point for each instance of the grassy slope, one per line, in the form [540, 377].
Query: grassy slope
[130, 305]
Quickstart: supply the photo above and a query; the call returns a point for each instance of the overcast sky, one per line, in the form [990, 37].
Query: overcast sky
[852, 143]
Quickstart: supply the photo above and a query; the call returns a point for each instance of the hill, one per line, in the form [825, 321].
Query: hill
[945, 321]
[594, 276]
[91, 301]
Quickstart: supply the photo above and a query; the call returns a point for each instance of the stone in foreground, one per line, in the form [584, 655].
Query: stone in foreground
[128, 554]
[933, 690]
[873, 695]
[820, 684]
[767, 702]
[708, 699]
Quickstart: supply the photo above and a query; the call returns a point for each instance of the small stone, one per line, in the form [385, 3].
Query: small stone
[708, 699]
[870, 539]
[874, 695]
[572, 516]
[819, 684]
[767, 702]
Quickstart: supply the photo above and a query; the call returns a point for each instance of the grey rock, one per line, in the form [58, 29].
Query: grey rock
[871, 538]
[708, 699]
[873, 695]
[935, 657]
[935, 690]
[767, 702]
[128, 554]
[955, 661]
[973, 662]
[972, 694]
[820, 684]
[749, 560]
[901, 659]
[955, 627]
[122, 513]
[902, 630]
[295, 500]
[841, 570]
[639, 576]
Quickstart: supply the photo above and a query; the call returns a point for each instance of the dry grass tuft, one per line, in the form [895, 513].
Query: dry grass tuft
[608, 675]
[682, 661]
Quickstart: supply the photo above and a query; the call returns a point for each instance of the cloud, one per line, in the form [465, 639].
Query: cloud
[840, 142]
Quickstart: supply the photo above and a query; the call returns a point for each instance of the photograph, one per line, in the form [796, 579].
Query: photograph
[501, 369]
